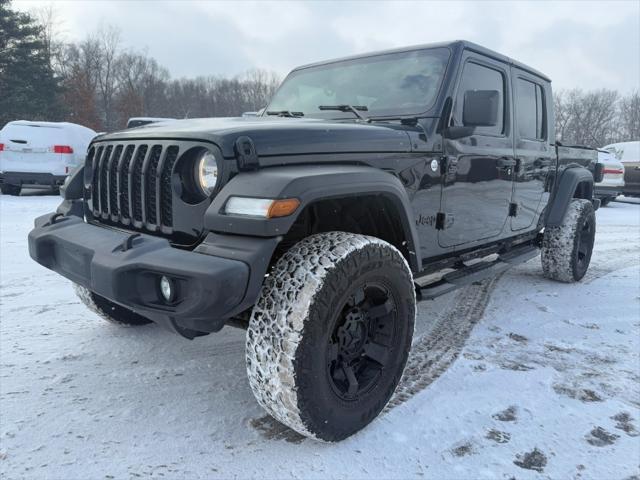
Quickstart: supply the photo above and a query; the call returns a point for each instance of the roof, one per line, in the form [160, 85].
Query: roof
[456, 44]
[67, 125]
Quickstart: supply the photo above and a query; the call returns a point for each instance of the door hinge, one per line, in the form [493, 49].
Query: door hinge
[440, 219]
[513, 209]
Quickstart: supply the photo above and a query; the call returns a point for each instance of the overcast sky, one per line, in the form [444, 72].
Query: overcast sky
[578, 44]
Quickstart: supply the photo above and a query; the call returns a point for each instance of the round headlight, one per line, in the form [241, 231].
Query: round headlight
[207, 172]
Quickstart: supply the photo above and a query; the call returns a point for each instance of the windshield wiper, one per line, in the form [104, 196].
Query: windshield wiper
[355, 109]
[285, 113]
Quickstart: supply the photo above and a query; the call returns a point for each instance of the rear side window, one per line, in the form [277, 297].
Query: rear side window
[530, 110]
[479, 77]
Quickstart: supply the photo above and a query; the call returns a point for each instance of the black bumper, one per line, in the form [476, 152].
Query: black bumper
[46, 180]
[210, 289]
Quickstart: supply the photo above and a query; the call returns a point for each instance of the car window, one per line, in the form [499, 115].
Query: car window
[479, 77]
[530, 111]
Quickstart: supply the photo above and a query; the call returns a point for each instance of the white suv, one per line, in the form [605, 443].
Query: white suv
[40, 154]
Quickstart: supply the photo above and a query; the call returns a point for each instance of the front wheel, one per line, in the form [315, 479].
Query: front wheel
[329, 337]
[566, 249]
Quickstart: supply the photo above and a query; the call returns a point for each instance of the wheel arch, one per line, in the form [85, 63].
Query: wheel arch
[320, 188]
[575, 182]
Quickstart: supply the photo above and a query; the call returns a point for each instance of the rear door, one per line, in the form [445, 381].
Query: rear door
[478, 182]
[534, 154]
[30, 148]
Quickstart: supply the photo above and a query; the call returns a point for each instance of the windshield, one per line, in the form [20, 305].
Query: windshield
[387, 85]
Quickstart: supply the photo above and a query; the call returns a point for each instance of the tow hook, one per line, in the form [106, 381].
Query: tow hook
[128, 242]
[54, 218]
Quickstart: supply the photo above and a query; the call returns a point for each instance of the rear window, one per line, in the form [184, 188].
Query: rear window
[34, 136]
[530, 110]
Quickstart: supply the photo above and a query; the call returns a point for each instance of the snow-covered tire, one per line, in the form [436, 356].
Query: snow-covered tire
[566, 249]
[111, 312]
[7, 189]
[335, 302]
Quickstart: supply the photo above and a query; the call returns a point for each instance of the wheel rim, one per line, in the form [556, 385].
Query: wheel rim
[360, 346]
[585, 242]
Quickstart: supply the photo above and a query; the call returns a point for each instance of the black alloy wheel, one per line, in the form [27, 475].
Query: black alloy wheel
[362, 339]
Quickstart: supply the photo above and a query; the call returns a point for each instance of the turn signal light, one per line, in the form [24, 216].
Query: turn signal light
[62, 149]
[283, 208]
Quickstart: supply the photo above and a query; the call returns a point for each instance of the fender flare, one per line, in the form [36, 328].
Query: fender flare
[564, 193]
[309, 183]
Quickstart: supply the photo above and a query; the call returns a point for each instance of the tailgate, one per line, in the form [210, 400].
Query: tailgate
[33, 161]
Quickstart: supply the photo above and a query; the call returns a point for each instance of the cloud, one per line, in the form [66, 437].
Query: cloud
[578, 44]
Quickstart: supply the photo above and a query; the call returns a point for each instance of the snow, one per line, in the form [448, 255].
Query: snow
[515, 377]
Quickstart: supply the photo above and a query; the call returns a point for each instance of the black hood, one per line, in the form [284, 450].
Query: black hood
[275, 136]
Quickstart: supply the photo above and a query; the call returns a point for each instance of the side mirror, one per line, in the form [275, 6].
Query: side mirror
[480, 108]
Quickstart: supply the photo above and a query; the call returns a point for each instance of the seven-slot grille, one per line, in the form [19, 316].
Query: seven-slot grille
[132, 184]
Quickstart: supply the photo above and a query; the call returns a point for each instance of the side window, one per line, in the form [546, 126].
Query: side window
[479, 77]
[530, 111]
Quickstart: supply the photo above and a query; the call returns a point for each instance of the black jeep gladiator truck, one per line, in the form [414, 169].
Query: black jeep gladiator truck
[368, 183]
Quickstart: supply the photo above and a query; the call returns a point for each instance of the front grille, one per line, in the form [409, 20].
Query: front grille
[131, 184]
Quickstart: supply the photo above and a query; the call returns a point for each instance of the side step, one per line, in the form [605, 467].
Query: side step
[475, 272]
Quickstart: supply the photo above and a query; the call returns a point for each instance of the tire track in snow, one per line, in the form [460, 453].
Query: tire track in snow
[433, 352]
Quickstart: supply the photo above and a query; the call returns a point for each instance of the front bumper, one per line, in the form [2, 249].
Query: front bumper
[32, 179]
[126, 268]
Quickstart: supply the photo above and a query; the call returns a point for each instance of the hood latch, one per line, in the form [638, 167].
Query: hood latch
[246, 155]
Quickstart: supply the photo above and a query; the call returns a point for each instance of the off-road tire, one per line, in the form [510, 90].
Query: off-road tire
[293, 325]
[111, 312]
[567, 249]
[7, 189]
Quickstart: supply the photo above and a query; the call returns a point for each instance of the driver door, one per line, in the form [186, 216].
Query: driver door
[479, 171]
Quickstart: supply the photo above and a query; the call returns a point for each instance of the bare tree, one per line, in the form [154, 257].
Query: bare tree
[587, 118]
[630, 117]
[108, 39]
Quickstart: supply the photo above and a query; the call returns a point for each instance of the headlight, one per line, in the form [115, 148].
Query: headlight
[261, 207]
[207, 172]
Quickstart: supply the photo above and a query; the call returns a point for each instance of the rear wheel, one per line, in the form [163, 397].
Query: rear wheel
[7, 189]
[329, 337]
[111, 312]
[567, 249]
[605, 201]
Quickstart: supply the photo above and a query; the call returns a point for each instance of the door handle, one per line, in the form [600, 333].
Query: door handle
[506, 163]
[542, 162]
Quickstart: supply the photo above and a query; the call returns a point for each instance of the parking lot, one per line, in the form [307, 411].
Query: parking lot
[513, 377]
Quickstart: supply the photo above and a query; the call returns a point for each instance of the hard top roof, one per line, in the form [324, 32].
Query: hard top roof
[455, 44]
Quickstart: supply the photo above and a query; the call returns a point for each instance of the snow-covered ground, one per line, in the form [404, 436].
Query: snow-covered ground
[514, 377]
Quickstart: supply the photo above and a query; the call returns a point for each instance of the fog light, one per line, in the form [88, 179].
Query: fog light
[166, 288]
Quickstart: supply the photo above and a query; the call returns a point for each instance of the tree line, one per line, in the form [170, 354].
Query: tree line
[99, 83]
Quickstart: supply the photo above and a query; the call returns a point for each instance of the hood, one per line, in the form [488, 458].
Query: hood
[275, 136]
